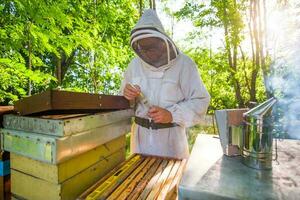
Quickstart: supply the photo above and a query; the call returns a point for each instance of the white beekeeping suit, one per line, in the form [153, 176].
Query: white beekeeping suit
[175, 86]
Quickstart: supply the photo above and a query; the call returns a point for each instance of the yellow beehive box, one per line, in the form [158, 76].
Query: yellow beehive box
[29, 187]
[62, 171]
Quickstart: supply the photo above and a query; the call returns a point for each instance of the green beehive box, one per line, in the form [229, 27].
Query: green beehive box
[55, 150]
[64, 125]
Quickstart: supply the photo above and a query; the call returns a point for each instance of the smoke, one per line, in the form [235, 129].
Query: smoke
[284, 79]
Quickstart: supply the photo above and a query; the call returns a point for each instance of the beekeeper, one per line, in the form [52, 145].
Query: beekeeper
[174, 94]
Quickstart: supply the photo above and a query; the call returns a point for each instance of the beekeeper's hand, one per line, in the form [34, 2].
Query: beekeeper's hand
[131, 91]
[160, 115]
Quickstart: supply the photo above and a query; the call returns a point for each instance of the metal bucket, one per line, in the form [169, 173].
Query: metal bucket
[229, 122]
[258, 136]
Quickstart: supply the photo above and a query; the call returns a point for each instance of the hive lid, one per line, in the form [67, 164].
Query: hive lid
[62, 102]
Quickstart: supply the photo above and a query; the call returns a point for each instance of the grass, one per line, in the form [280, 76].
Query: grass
[198, 129]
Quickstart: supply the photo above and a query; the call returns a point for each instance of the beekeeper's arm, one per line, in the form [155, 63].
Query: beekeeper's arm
[196, 98]
[127, 89]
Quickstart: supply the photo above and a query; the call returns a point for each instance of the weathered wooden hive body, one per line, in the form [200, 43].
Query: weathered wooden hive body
[60, 156]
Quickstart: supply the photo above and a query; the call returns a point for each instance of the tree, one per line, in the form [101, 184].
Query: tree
[66, 40]
[228, 15]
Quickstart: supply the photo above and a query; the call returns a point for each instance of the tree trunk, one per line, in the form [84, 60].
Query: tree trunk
[29, 59]
[257, 57]
[265, 53]
[58, 71]
[65, 64]
[62, 65]
[152, 4]
[244, 69]
[94, 72]
[141, 7]
[251, 32]
[232, 59]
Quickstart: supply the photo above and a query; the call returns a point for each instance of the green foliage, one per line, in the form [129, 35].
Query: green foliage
[213, 68]
[13, 75]
[100, 68]
[226, 71]
[88, 39]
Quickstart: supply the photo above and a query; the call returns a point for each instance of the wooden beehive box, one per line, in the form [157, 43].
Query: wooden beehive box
[65, 143]
[61, 137]
[35, 180]
[58, 173]
[139, 177]
[59, 102]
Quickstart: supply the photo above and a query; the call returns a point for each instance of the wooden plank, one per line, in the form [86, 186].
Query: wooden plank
[6, 109]
[62, 171]
[153, 180]
[125, 184]
[58, 101]
[159, 184]
[145, 180]
[104, 178]
[108, 186]
[34, 103]
[129, 188]
[174, 185]
[66, 116]
[166, 187]
[23, 184]
[172, 196]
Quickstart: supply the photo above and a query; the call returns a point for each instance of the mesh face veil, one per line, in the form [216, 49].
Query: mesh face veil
[165, 58]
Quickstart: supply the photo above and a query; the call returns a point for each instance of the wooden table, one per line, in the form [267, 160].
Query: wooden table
[210, 175]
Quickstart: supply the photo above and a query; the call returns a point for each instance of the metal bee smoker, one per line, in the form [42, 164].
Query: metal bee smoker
[258, 136]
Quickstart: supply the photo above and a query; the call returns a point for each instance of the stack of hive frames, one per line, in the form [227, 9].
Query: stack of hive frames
[139, 177]
[63, 155]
